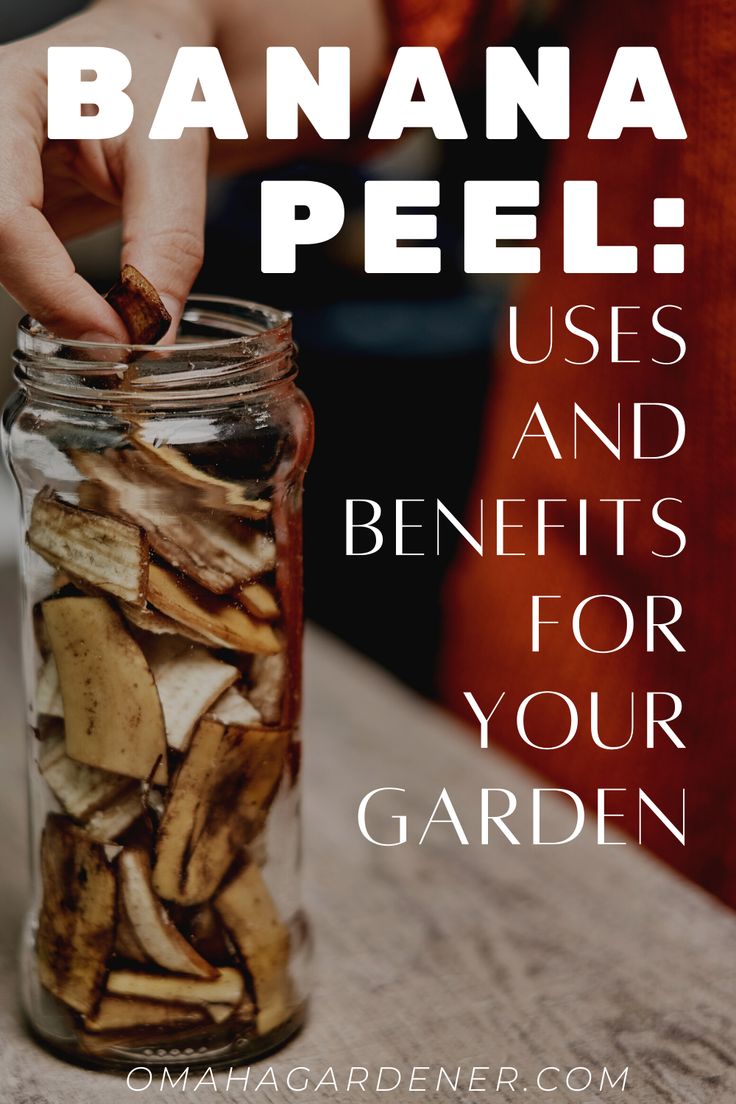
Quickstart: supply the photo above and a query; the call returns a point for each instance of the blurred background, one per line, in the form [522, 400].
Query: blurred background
[381, 360]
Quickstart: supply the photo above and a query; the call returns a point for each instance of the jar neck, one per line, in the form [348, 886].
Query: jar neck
[225, 349]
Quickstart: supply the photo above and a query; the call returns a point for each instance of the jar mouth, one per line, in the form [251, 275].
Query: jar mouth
[240, 316]
[223, 346]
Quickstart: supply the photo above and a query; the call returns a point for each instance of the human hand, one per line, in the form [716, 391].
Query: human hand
[54, 190]
[51, 191]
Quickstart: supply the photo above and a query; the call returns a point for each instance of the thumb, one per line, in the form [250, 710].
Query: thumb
[164, 202]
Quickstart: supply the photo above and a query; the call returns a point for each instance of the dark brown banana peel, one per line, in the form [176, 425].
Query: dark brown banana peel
[140, 306]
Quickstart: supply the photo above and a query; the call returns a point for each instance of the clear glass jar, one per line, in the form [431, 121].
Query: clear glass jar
[161, 497]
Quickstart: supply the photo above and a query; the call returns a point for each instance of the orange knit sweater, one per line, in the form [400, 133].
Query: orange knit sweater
[487, 636]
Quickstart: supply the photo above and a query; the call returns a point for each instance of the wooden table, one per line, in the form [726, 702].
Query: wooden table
[444, 955]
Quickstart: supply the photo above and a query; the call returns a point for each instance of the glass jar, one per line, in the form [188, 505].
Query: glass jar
[161, 497]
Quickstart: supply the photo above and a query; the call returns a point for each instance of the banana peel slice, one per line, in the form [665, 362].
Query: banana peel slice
[189, 787]
[223, 623]
[216, 557]
[131, 1014]
[219, 801]
[253, 923]
[215, 492]
[79, 789]
[227, 988]
[188, 684]
[259, 601]
[268, 679]
[126, 941]
[112, 713]
[103, 552]
[108, 823]
[48, 691]
[76, 928]
[211, 554]
[136, 301]
[233, 708]
[149, 620]
[243, 786]
[154, 931]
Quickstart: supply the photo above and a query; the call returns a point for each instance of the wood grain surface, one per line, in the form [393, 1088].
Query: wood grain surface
[440, 955]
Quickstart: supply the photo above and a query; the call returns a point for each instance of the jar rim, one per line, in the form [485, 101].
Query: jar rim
[226, 346]
[279, 321]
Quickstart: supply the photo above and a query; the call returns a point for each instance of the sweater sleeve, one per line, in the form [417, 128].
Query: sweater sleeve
[453, 26]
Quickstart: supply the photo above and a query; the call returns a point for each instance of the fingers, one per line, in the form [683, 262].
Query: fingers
[40, 275]
[35, 268]
[164, 200]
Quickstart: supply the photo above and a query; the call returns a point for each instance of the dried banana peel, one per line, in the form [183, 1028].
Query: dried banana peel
[227, 988]
[221, 622]
[219, 557]
[250, 916]
[211, 554]
[190, 786]
[259, 601]
[140, 306]
[101, 551]
[76, 929]
[153, 929]
[126, 1014]
[48, 691]
[126, 941]
[79, 789]
[217, 493]
[188, 685]
[109, 823]
[199, 840]
[151, 621]
[233, 708]
[268, 677]
[112, 712]
[249, 768]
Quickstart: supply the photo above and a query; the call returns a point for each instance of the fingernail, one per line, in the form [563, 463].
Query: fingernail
[99, 338]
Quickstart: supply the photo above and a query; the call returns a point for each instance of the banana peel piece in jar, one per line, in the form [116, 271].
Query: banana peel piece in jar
[219, 800]
[249, 768]
[210, 553]
[76, 928]
[233, 708]
[80, 790]
[188, 684]
[189, 787]
[127, 1014]
[149, 620]
[126, 941]
[216, 557]
[153, 929]
[141, 308]
[268, 677]
[262, 939]
[112, 712]
[115, 819]
[222, 623]
[259, 601]
[217, 493]
[227, 988]
[48, 692]
[101, 551]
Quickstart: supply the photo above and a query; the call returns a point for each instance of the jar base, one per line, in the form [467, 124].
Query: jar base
[242, 1050]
